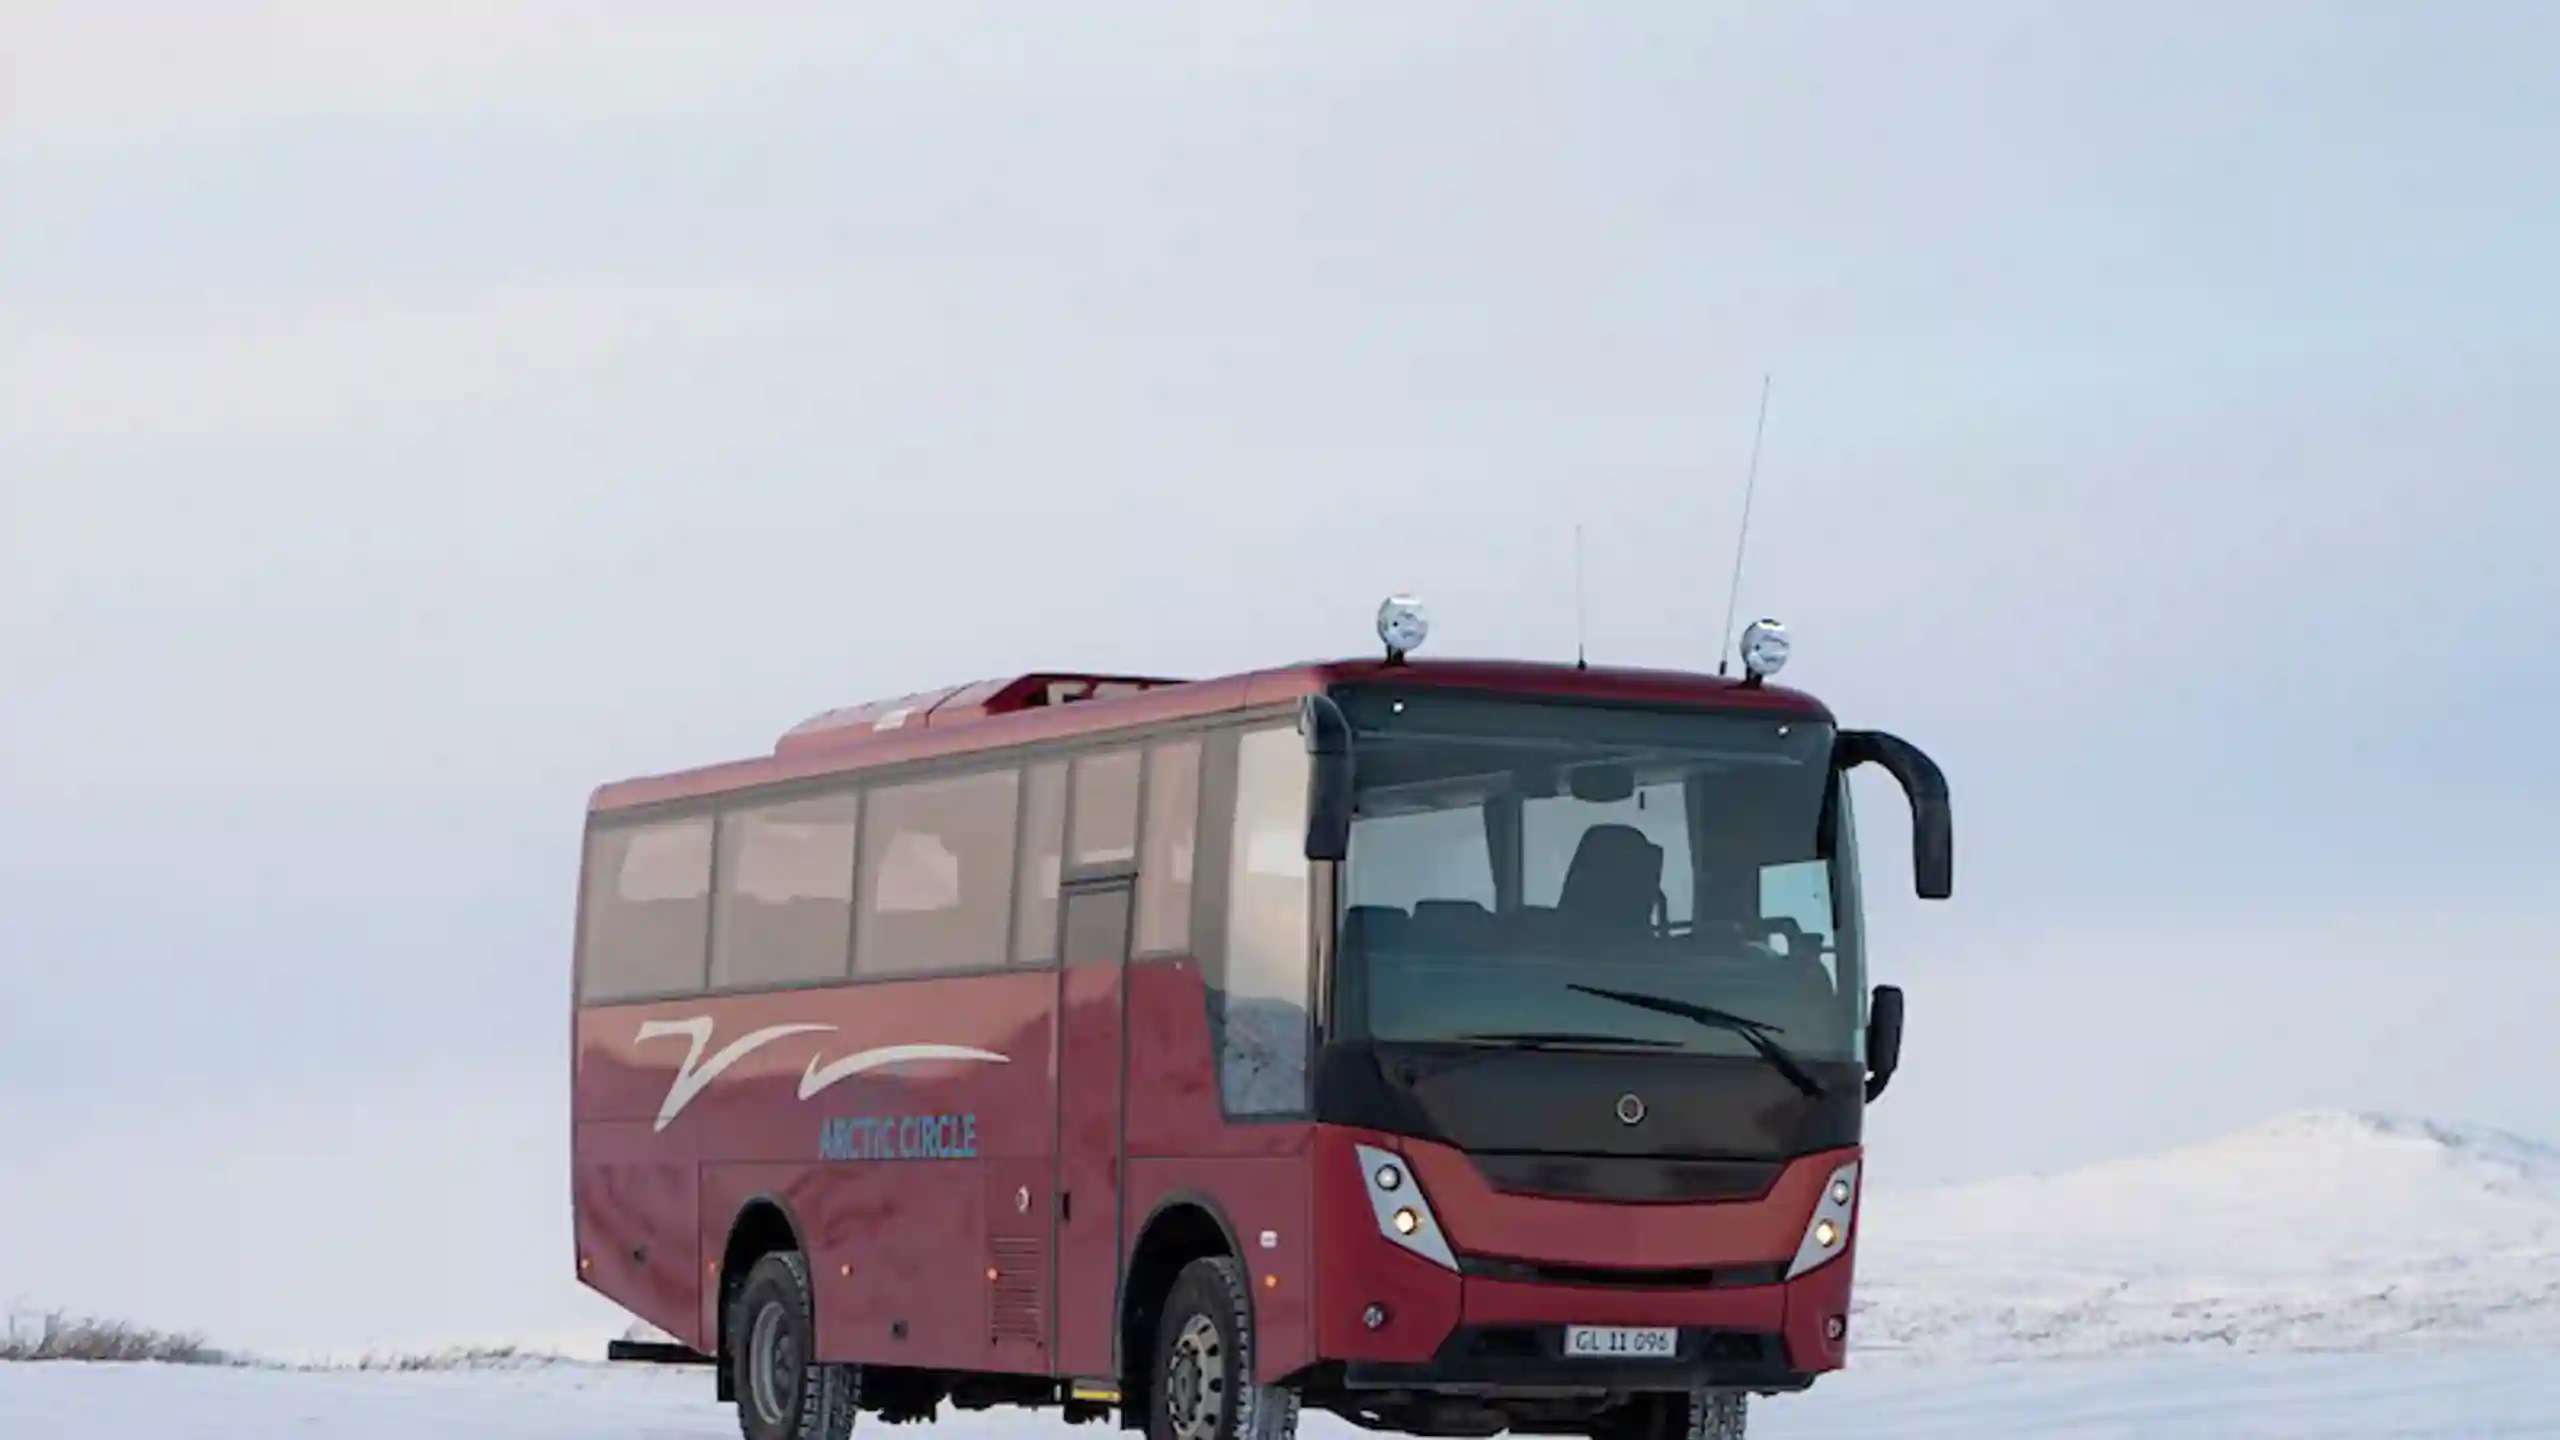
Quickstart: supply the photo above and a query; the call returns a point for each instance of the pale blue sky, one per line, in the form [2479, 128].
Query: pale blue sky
[408, 422]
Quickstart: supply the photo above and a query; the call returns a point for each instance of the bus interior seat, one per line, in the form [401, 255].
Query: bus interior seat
[1453, 923]
[1614, 884]
[1376, 927]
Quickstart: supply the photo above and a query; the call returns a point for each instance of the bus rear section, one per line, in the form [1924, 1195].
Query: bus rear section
[1452, 1046]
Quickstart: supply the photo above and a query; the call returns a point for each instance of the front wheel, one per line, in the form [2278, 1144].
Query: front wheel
[1202, 1387]
[783, 1392]
[1699, 1415]
[1720, 1415]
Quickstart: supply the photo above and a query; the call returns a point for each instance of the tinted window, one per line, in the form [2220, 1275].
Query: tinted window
[937, 875]
[648, 909]
[785, 905]
[1507, 854]
[1044, 834]
[1262, 1000]
[1106, 810]
[1172, 834]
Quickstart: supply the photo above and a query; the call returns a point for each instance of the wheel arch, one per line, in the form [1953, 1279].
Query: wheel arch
[1183, 1226]
[763, 1224]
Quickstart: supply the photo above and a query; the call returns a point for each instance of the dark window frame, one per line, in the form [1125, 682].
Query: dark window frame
[1018, 758]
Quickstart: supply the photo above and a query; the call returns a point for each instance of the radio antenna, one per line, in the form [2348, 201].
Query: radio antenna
[1751, 482]
[1581, 612]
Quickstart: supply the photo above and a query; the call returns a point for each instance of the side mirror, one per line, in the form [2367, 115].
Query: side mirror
[1933, 845]
[1328, 735]
[1884, 1038]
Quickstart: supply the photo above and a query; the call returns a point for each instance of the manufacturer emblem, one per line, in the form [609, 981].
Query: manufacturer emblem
[1630, 1109]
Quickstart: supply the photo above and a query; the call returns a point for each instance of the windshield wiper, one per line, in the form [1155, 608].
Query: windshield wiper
[1550, 1039]
[1754, 1033]
[1484, 1043]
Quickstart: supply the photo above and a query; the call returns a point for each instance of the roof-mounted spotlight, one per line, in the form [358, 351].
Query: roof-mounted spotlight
[1402, 626]
[1764, 650]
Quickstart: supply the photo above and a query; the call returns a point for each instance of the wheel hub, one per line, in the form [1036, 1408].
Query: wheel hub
[1196, 1381]
[773, 1364]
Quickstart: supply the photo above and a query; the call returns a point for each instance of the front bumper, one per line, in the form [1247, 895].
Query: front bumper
[1529, 1361]
[1487, 1314]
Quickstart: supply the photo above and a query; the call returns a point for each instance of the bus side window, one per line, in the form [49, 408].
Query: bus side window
[1171, 836]
[1103, 824]
[648, 910]
[1262, 985]
[937, 875]
[783, 910]
[1044, 838]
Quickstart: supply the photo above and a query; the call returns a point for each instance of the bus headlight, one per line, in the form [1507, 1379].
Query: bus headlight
[1826, 1235]
[1404, 1216]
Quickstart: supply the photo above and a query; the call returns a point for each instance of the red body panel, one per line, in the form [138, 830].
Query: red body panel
[914, 1234]
[1359, 1266]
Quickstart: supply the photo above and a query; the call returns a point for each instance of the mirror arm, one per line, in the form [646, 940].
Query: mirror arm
[1924, 785]
[1327, 732]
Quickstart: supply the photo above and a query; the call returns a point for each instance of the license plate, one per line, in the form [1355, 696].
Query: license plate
[1620, 1342]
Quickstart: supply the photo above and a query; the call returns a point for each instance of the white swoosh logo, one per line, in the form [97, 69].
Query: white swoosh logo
[696, 1074]
[818, 1077]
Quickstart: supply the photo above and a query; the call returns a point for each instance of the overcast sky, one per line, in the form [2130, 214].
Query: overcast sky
[413, 415]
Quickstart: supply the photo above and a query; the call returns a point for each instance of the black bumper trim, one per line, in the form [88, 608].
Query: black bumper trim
[1530, 1360]
[1609, 1277]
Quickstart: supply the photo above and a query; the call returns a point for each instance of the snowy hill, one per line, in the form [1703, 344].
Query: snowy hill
[2314, 1231]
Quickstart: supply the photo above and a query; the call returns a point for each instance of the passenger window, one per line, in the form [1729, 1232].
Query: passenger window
[648, 910]
[1106, 811]
[1044, 834]
[1172, 832]
[784, 911]
[1262, 986]
[937, 875]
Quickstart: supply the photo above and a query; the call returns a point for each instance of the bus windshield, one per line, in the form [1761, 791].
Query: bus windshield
[1511, 859]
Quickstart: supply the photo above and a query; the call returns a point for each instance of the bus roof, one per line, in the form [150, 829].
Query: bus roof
[1053, 705]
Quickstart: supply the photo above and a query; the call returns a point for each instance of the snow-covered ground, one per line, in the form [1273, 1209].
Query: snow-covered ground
[2323, 1274]
[2465, 1394]
[2314, 1231]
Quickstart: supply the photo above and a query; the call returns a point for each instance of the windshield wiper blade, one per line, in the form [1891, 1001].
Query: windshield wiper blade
[1549, 1039]
[1486, 1043]
[1754, 1033]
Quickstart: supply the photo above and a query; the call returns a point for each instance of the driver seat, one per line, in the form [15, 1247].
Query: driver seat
[1614, 884]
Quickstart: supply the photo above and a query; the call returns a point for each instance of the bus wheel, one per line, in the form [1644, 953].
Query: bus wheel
[1203, 1385]
[1719, 1415]
[782, 1392]
[1699, 1415]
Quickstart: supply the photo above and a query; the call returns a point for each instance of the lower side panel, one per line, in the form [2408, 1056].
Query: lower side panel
[1268, 1209]
[898, 1257]
[637, 1228]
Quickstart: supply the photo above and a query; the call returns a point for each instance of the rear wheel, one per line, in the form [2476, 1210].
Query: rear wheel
[783, 1393]
[1698, 1415]
[1202, 1387]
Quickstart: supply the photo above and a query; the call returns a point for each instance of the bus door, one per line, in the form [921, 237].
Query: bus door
[1092, 1045]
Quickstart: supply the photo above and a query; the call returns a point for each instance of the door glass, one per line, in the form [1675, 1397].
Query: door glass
[1098, 926]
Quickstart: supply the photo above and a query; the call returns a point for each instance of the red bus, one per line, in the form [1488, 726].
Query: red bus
[1453, 1046]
